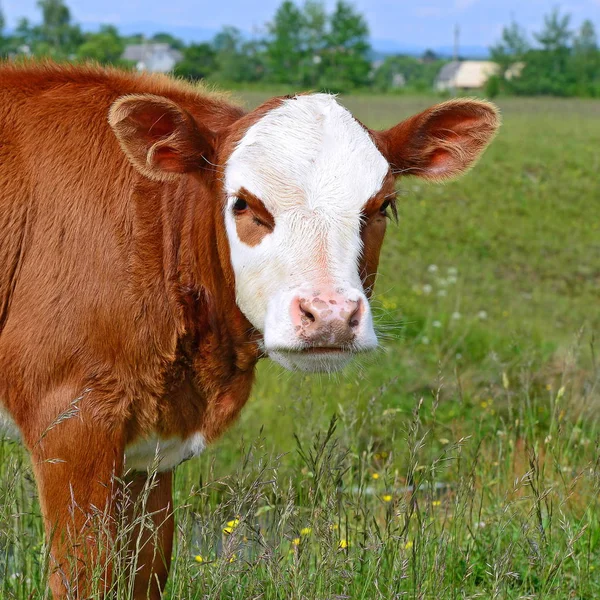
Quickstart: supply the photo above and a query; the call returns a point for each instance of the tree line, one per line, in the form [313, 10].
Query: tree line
[558, 61]
[305, 46]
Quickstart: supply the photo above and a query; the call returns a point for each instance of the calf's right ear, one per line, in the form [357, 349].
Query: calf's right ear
[159, 137]
[442, 142]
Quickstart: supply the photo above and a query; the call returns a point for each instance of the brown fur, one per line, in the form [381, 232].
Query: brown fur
[117, 304]
[116, 295]
[372, 233]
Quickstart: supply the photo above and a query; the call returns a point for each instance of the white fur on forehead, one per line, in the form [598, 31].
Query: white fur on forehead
[308, 151]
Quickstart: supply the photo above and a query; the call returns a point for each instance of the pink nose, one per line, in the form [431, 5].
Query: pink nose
[326, 319]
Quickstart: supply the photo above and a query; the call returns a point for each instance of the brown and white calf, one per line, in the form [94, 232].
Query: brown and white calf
[155, 241]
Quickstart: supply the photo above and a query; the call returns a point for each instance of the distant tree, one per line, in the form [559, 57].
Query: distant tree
[512, 48]
[586, 41]
[429, 56]
[199, 61]
[56, 36]
[556, 35]
[253, 52]
[493, 86]
[23, 35]
[346, 55]
[563, 63]
[237, 60]
[3, 41]
[284, 48]
[167, 38]
[586, 61]
[106, 46]
[313, 42]
[548, 70]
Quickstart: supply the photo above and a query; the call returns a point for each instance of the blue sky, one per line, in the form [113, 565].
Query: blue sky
[421, 23]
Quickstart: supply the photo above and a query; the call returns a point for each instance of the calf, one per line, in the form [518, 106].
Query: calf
[155, 241]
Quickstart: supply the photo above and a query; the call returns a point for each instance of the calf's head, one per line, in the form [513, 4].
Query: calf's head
[306, 191]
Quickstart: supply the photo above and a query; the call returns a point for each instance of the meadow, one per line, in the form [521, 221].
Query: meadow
[460, 461]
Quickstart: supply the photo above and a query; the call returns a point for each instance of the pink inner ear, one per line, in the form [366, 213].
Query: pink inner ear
[154, 123]
[455, 123]
[168, 159]
[441, 160]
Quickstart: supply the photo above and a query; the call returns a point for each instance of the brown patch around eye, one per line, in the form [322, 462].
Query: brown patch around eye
[372, 233]
[254, 222]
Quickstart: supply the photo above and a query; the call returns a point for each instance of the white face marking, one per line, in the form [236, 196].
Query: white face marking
[8, 427]
[166, 454]
[314, 167]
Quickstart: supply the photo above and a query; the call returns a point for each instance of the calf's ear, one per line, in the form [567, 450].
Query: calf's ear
[442, 142]
[159, 137]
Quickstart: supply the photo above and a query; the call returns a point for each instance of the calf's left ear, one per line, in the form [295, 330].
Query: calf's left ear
[159, 137]
[442, 142]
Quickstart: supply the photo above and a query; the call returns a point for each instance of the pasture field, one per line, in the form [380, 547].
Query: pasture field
[463, 459]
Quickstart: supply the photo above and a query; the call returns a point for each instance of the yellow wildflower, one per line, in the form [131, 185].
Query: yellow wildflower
[198, 558]
[231, 525]
[386, 498]
[375, 475]
[344, 544]
[296, 541]
[306, 531]
[408, 545]
[436, 503]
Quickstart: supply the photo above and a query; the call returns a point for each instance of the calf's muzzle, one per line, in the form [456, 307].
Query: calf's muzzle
[326, 319]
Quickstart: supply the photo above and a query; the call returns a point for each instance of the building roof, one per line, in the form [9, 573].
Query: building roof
[466, 74]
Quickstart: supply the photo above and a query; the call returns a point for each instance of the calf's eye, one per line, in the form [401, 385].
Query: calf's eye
[383, 208]
[240, 205]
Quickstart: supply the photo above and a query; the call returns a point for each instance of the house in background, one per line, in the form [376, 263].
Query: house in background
[154, 57]
[465, 75]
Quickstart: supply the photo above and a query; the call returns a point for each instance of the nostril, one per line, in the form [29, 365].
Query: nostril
[306, 313]
[354, 319]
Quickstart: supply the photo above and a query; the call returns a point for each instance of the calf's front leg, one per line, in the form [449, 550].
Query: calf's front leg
[76, 460]
[149, 509]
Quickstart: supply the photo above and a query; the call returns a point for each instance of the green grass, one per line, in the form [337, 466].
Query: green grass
[463, 459]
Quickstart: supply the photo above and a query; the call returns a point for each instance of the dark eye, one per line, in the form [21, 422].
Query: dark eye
[240, 205]
[383, 208]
